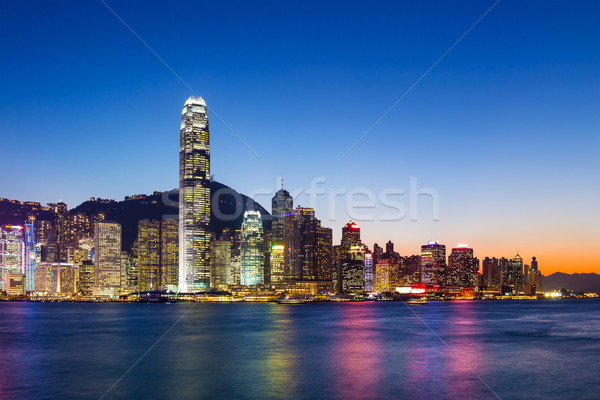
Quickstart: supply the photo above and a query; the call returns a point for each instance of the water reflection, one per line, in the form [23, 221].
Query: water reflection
[281, 356]
[357, 352]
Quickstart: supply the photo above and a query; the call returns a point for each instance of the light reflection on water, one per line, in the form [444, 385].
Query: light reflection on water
[385, 350]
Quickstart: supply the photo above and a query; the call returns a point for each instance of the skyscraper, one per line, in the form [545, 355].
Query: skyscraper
[277, 256]
[148, 255]
[107, 267]
[220, 264]
[194, 197]
[12, 253]
[462, 267]
[369, 284]
[169, 253]
[433, 263]
[252, 265]
[324, 253]
[353, 270]
[292, 242]
[350, 236]
[281, 204]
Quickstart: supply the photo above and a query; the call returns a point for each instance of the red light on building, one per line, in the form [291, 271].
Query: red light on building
[418, 289]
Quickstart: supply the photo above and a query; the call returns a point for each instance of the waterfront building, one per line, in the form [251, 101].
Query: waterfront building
[353, 271]
[463, 267]
[382, 277]
[277, 263]
[324, 253]
[85, 283]
[107, 253]
[169, 254]
[433, 263]
[369, 273]
[194, 197]
[490, 272]
[30, 257]
[15, 284]
[12, 253]
[292, 246]
[220, 264]
[148, 255]
[252, 264]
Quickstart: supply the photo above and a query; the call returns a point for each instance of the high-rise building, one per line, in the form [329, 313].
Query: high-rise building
[433, 263]
[52, 278]
[292, 242]
[148, 255]
[157, 250]
[12, 253]
[277, 263]
[86, 278]
[30, 257]
[107, 254]
[324, 253]
[490, 272]
[281, 204]
[194, 197]
[169, 254]
[515, 275]
[463, 268]
[308, 247]
[220, 264]
[369, 272]
[377, 253]
[350, 236]
[252, 265]
[353, 271]
[389, 248]
[382, 277]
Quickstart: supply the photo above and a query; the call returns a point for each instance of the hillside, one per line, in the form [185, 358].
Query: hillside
[160, 206]
[576, 282]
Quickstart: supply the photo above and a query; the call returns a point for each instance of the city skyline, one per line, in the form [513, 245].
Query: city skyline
[505, 103]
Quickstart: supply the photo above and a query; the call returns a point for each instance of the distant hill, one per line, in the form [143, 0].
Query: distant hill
[229, 214]
[576, 282]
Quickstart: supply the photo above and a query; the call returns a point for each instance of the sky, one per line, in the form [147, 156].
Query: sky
[503, 128]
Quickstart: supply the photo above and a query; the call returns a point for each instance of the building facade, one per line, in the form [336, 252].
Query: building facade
[252, 263]
[194, 197]
[107, 254]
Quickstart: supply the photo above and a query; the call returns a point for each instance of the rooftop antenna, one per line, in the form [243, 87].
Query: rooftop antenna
[281, 180]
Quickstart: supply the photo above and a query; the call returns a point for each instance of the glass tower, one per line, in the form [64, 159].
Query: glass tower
[194, 197]
[252, 267]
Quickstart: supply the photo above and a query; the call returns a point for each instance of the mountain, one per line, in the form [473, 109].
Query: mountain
[158, 206]
[576, 282]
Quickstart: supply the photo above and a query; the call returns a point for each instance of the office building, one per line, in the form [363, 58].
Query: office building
[252, 265]
[433, 263]
[107, 253]
[220, 264]
[194, 197]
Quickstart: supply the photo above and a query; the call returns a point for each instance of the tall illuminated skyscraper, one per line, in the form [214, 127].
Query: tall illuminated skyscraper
[252, 265]
[462, 267]
[433, 263]
[194, 197]
[107, 253]
[281, 204]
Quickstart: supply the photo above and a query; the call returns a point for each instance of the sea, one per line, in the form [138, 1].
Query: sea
[364, 350]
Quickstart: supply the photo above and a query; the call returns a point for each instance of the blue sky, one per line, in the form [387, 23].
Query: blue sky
[505, 128]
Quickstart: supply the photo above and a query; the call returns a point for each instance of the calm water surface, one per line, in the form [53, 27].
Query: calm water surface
[388, 350]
